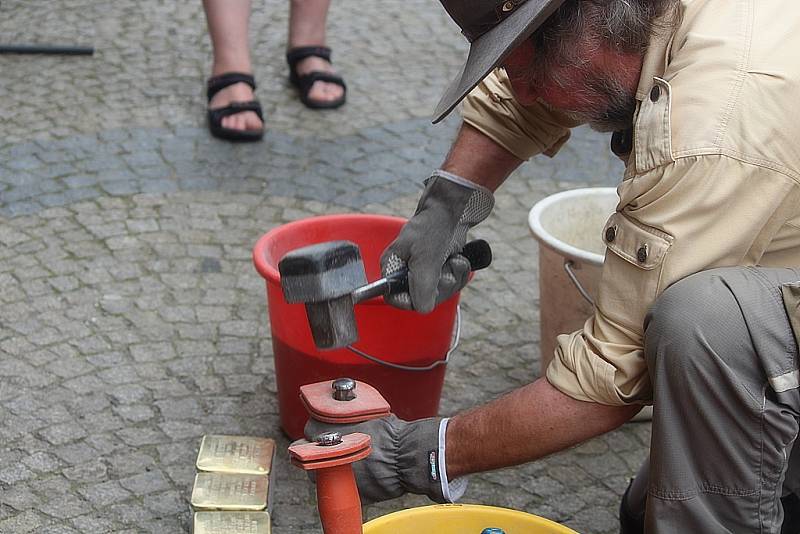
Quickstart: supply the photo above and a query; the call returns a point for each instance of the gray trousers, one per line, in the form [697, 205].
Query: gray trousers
[723, 361]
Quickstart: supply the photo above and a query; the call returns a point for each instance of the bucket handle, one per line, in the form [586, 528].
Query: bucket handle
[443, 361]
[568, 264]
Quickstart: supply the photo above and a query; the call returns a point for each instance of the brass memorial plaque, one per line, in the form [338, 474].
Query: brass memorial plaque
[231, 523]
[230, 491]
[236, 454]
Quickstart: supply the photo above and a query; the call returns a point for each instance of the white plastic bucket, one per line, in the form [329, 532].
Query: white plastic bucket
[568, 227]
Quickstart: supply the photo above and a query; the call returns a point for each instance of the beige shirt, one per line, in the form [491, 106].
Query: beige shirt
[713, 179]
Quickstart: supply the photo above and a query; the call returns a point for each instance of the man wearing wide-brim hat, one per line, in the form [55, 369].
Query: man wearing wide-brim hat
[698, 306]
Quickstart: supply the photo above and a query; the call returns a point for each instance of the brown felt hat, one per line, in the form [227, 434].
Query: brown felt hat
[493, 28]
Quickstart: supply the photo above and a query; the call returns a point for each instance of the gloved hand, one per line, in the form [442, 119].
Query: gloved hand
[431, 240]
[404, 457]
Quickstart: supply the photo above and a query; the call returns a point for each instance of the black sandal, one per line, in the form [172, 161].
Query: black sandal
[217, 83]
[303, 83]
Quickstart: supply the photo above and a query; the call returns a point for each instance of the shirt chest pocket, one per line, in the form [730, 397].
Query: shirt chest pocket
[632, 270]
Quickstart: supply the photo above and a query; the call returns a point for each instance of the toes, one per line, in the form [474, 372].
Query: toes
[333, 91]
[246, 120]
[238, 121]
[320, 91]
[233, 122]
[317, 92]
[251, 121]
[325, 92]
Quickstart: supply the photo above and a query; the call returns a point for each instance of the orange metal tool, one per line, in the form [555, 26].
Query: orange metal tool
[330, 454]
[337, 494]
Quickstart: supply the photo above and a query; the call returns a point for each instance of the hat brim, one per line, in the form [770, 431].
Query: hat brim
[488, 50]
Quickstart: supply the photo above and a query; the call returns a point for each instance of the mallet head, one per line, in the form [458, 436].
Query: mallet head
[323, 276]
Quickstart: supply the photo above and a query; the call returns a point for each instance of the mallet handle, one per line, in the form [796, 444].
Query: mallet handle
[377, 288]
[478, 252]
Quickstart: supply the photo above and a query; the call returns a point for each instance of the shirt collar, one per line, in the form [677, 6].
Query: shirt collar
[655, 61]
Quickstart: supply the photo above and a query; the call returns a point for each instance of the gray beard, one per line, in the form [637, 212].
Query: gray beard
[617, 115]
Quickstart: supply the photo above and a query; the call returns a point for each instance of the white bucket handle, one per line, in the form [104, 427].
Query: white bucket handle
[585, 294]
[443, 361]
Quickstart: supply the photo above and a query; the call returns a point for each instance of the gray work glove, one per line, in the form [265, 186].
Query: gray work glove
[404, 457]
[430, 242]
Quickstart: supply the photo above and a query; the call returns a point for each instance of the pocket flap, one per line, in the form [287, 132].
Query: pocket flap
[636, 243]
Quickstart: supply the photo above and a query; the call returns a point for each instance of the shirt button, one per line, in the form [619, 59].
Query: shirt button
[655, 93]
[611, 233]
[641, 254]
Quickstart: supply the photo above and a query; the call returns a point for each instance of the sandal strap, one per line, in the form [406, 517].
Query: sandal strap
[305, 81]
[216, 84]
[236, 107]
[295, 55]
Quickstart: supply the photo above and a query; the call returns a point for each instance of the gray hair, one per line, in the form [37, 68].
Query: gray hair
[625, 26]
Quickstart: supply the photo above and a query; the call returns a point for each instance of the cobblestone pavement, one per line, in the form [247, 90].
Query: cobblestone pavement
[131, 319]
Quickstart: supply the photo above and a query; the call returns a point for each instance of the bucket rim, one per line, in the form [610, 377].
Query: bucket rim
[270, 272]
[546, 238]
[381, 523]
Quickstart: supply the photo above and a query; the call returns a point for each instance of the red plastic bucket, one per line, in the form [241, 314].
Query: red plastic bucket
[395, 336]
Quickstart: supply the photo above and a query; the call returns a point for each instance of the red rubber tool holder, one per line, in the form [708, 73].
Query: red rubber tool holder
[331, 455]
[321, 400]
[337, 494]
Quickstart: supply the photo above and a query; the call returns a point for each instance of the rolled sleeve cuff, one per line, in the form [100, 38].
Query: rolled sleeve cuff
[593, 370]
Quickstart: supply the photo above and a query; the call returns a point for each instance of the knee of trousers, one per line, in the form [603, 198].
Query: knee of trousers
[694, 319]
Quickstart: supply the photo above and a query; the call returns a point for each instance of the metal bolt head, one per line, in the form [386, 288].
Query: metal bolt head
[328, 439]
[493, 531]
[344, 389]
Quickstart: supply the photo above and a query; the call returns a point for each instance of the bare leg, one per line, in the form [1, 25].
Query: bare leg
[307, 28]
[228, 24]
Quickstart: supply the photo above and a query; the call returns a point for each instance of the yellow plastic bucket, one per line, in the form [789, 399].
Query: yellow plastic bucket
[462, 519]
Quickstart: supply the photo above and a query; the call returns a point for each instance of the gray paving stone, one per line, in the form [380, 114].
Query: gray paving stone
[130, 462]
[138, 437]
[93, 523]
[15, 473]
[64, 507]
[130, 513]
[145, 483]
[152, 352]
[166, 503]
[136, 413]
[42, 462]
[104, 493]
[24, 163]
[20, 498]
[183, 475]
[75, 453]
[28, 521]
[55, 528]
[179, 430]
[94, 471]
[180, 409]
